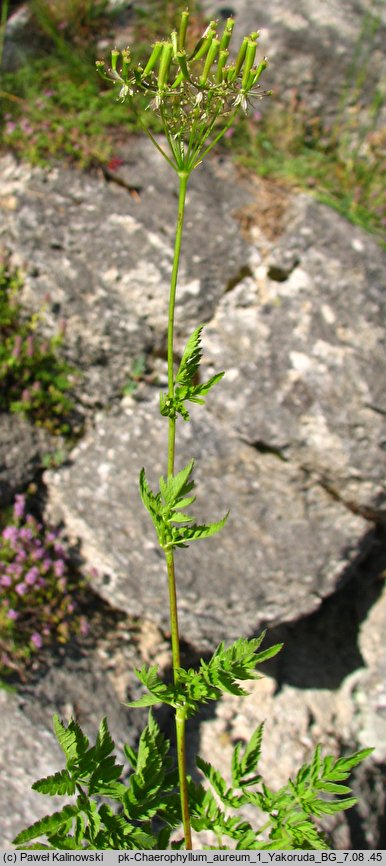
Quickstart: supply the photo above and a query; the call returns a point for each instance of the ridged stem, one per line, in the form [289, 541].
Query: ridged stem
[180, 718]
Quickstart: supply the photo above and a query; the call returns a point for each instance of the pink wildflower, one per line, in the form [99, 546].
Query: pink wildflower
[36, 640]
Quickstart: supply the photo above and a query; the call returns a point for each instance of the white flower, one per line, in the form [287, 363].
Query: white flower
[125, 89]
[241, 99]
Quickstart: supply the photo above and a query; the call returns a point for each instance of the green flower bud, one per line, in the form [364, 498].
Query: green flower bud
[204, 43]
[249, 61]
[155, 54]
[227, 35]
[211, 56]
[164, 67]
[220, 66]
[183, 28]
[241, 56]
[173, 37]
[114, 57]
[126, 60]
[181, 59]
[263, 65]
[229, 74]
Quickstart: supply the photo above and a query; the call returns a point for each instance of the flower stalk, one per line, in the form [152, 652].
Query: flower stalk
[180, 718]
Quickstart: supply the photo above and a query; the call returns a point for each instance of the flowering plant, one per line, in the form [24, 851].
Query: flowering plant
[37, 590]
[194, 93]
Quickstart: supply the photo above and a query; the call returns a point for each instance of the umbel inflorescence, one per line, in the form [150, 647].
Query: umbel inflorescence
[191, 90]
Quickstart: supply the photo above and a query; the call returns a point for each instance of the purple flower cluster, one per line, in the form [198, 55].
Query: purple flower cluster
[36, 587]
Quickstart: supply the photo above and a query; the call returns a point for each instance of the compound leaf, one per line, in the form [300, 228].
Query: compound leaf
[104, 742]
[47, 825]
[59, 783]
[191, 358]
[71, 739]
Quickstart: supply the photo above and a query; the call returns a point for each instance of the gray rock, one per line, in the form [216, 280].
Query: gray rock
[29, 752]
[304, 341]
[257, 574]
[22, 448]
[20, 44]
[103, 258]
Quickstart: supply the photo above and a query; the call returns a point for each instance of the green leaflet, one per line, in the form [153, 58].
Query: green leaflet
[59, 783]
[220, 674]
[191, 358]
[47, 825]
[104, 743]
[175, 487]
[244, 762]
[174, 527]
[226, 794]
[158, 691]
[71, 739]
[185, 387]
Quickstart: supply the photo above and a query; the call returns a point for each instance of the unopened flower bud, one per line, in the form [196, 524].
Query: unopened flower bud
[229, 74]
[154, 57]
[249, 61]
[181, 58]
[227, 35]
[220, 66]
[211, 56]
[263, 65]
[174, 39]
[126, 60]
[114, 58]
[164, 67]
[205, 42]
[241, 56]
[183, 28]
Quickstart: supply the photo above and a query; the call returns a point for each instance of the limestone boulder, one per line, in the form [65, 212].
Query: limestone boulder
[22, 450]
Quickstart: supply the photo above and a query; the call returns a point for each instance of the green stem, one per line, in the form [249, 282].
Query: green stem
[183, 176]
[215, 140]
[180, 714]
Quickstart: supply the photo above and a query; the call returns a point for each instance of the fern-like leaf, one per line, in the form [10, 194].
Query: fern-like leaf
[191, 358]
[244, 763]
[182, 537]
[47, 825]
[71, 739]
[59, 783]
[104, 742]
[175, 487]
[158, 691]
